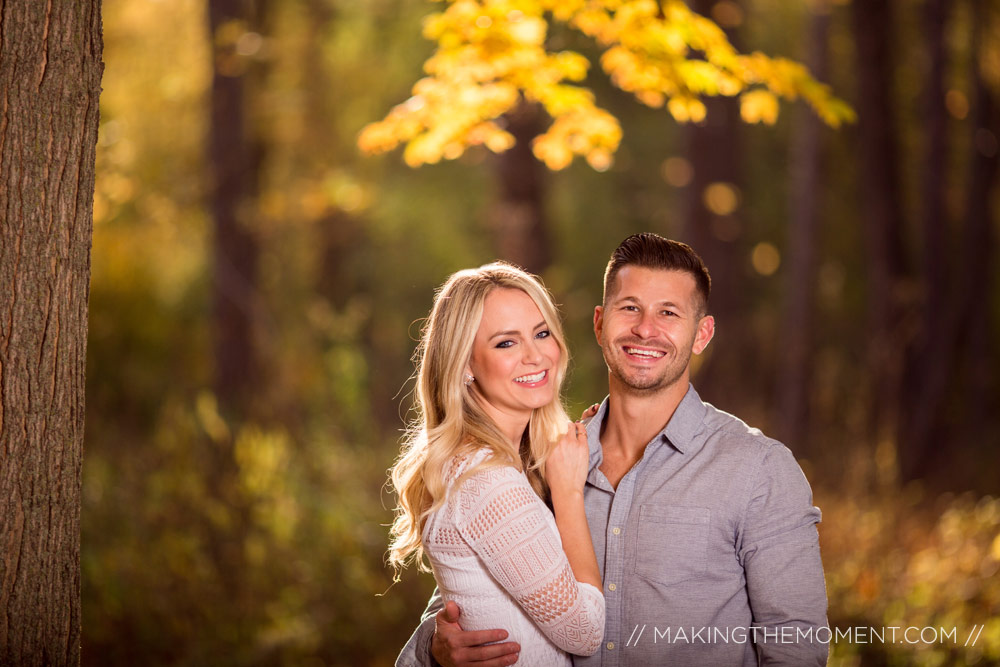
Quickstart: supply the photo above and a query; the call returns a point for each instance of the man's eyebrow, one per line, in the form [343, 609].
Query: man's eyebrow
[514, 333]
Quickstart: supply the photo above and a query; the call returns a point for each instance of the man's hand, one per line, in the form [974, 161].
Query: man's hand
[452, 646]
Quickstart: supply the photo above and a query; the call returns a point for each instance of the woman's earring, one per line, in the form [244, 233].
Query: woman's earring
[469, 379]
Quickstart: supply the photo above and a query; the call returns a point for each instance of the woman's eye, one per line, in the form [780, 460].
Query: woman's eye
[543, 334]
[505, 343]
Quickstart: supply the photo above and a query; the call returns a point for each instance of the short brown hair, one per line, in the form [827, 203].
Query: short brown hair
[652, 251]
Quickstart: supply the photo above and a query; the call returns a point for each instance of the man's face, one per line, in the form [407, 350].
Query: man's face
[650, 326]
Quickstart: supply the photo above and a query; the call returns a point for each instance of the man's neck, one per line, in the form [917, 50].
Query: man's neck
[634, 418]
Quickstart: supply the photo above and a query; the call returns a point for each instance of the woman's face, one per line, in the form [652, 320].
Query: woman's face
[514, 358]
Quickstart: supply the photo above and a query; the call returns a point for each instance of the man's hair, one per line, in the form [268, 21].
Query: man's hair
[652, 251]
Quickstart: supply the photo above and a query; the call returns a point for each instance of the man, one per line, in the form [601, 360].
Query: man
[704, 528]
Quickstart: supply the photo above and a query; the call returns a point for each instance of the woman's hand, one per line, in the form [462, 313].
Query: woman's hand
[590, 412]
[568, 463]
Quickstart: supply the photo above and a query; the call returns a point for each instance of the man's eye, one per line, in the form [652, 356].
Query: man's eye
[668, 313]
[630, 308]
[505, 343]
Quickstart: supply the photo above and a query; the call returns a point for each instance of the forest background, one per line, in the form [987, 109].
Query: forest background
[249, 347]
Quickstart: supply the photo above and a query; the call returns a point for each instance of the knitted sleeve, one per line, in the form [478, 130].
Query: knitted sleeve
[504, 522]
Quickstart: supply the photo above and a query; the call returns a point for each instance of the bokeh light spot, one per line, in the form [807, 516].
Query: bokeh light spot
[249, 43]
[676, 171]
[957, 104]
[721, 198]
[765, 258]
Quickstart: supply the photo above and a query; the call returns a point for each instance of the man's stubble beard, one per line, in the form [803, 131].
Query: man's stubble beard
[644, 385]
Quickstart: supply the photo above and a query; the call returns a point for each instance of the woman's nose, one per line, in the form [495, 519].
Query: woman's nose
[532, 355]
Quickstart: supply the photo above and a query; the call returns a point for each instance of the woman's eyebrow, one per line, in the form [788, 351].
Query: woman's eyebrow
[514, 333]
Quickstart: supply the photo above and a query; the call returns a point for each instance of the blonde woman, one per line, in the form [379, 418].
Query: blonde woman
[490, 442]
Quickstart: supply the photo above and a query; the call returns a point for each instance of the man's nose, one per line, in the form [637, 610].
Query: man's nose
[644, 327]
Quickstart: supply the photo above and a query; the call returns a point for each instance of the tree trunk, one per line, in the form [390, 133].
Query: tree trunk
[518, 216]
[50, 81]
[979, 241]
[930, 364]
[714, 150]
[235, 159]
[881, 214]
[236, 152]
[806, 166]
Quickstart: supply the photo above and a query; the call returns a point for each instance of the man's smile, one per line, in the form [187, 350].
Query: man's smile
[643, 352]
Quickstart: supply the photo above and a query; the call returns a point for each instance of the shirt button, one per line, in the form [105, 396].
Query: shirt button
[616, 530]
[611, 587]
[611, 646]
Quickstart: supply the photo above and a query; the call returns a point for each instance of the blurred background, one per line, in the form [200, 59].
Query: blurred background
[250, 344]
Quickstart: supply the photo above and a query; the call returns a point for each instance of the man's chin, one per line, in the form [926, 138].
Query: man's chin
[642, 384]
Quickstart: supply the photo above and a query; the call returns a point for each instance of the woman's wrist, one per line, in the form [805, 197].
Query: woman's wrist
[566, 497]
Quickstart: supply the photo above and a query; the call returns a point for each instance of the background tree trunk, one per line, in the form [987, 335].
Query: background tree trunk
[235, 155]
[806, 166]
[518, 216]
[931, 360]
[978, 273]
[714, 150]
[882, 216]
[50, 81]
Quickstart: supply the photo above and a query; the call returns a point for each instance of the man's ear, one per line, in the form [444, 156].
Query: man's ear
[598, 322]
[703, 336]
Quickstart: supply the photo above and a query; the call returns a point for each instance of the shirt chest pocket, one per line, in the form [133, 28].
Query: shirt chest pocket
[672, 542]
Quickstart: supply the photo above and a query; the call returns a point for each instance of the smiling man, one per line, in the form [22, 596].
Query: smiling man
[704, 528]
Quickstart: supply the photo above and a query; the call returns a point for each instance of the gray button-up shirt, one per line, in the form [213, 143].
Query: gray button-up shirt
[708, 549]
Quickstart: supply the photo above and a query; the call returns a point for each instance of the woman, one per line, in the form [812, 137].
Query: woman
[484, 451]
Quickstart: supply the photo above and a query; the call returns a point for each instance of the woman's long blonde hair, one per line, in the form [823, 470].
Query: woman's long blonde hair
[449, 420]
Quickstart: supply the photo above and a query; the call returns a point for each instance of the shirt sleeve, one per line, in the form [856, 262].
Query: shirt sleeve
[779, 549]
[417, 651]
[500, 517]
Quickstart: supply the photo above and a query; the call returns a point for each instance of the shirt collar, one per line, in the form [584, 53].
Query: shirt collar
[679, 432]
[686, 423]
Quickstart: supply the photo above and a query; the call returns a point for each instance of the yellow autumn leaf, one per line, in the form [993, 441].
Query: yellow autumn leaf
[491, 53]
[697, 110]
[551, 152]
[759, 106]
[678, 108]
[527, 30]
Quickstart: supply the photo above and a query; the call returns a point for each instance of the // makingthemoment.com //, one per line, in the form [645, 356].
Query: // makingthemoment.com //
[892, 634]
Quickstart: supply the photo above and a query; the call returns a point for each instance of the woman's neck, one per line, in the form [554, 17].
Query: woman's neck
[511, 425]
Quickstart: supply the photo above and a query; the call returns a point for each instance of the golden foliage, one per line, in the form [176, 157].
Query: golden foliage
[895, 560]
[491, 54]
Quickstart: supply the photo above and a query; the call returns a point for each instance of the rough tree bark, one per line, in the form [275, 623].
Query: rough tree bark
[50, 81]
[518, 215]
[798, 321]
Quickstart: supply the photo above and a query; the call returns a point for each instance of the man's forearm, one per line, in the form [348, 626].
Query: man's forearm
[417, 651]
